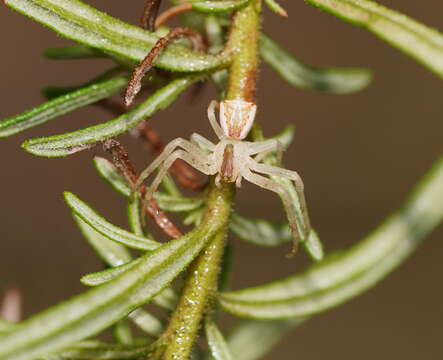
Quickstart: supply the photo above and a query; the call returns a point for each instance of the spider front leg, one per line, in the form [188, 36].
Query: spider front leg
[194, 158]
[167, 151]
[264, 148]
[213, 120]
[274, 186]
[202, 142]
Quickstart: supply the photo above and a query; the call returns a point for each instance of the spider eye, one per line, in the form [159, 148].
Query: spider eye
[237, 117]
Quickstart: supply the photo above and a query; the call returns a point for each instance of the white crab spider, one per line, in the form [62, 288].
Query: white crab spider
[231, 159]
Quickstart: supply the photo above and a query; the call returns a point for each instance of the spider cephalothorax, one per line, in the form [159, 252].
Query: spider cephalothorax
[232, 159]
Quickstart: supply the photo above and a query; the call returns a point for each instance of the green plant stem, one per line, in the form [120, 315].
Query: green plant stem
[196, 299]
[201, 283]
[243, 43]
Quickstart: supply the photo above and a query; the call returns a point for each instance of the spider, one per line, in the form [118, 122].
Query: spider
[232, 159]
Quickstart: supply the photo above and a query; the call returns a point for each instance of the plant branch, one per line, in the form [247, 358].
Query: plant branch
[202, 281]
[243, 43]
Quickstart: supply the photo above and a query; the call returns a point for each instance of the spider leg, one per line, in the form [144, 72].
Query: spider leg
[202, 142]
[195, 159]
[299, 186]
[179, 142]
[264, 148]
[213, 120]
[274, 186]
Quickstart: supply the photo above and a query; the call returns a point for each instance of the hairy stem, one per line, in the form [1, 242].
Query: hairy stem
[243, 42]
[202, 281]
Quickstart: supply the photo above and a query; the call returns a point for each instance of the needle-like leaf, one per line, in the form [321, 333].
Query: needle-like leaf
[298, 74]
[61, 105]
[77, 21]
[109, 173]
[95, 350]
[260, 232]
[70, 143]
[344, 276]
[178, 203]
[105, 276]
[217, 343]
[4, 325]
[219, 6]
[114, 254]
[276, 7]
[112, 232]
[87, 314]
[134, 215]
[258, 337]
[147, 322]
[408, 35]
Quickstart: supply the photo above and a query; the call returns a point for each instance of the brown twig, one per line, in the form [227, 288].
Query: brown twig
[147, 20]
[121, 161]
[134, 84]
[172, 12]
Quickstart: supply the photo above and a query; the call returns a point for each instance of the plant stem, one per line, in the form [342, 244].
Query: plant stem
[243, 42]
[201, 283]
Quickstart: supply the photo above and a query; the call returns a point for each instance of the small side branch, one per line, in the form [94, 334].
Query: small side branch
[147, 20]
[172, 12]
[148, 62]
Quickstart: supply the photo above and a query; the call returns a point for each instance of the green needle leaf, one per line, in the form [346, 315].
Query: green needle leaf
[410, 36]
[114, 254]
[285, 137]
[258, 337]
[82, 23]
[110, 252]
[344, 276]
[298, 74]
[94, 350]
[134, 215]
[276, 7]
[105, 276]
[219, 6]
[112, 232]
[61, 105]
[217, 343]
[70, 143]
[87, 314]
[5, 325]
[122, 333]
[109, 173]
[172, 203]
[147, 322]
[260, 232]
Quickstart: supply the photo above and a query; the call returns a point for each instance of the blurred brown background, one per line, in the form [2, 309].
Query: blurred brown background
[359, 156]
